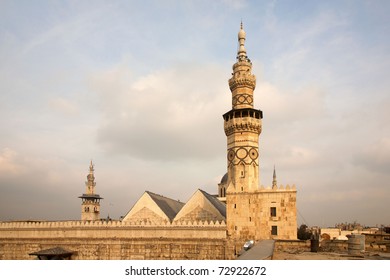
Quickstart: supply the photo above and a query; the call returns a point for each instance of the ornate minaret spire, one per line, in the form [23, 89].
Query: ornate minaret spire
[90, 183]
[274, 182]
[241, 53]
[90, 206]
[242, 127]
[242, 83]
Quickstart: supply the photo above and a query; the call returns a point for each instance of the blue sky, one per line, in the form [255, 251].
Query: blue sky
[140, 88]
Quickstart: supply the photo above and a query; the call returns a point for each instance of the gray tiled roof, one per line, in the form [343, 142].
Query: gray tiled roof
[220, 206]
[261, 251]
[169, 206]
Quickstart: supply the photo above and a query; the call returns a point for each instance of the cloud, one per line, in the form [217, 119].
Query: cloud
[8, 164]
[37, 187]
[167, 115]
[64, 106]
[295, 104]
[235, 4]
[68, 31]
[376, 157]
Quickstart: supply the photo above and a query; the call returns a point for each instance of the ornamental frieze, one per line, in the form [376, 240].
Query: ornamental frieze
[234, 126]
[242, 99]
[247, 81]
[246, 155]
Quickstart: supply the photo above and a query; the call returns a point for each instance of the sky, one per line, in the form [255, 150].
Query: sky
[140, 88]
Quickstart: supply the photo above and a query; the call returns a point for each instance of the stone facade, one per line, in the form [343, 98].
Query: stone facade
[116, 240]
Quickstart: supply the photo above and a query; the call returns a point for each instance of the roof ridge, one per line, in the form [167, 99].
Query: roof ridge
[165, 197]
[169, 206]
[221, 207]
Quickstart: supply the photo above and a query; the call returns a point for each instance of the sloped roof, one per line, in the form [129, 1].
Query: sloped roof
[263, 250]
[205, 201]
[221, 207]
[169, 206]
[164, 207]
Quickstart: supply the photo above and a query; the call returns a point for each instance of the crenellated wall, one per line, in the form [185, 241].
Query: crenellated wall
[116, 240]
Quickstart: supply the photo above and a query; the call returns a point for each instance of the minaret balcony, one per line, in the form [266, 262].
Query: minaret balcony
[240, 120]
[242, 125]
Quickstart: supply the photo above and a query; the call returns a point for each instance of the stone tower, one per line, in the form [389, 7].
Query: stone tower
[242, 127]
[252, 212]
[90, 206]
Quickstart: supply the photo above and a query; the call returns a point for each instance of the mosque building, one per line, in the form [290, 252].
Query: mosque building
[157, 227]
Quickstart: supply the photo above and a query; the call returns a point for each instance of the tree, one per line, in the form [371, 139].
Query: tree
[303, 232]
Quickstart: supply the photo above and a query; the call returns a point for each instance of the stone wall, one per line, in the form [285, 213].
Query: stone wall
[116, 240]
[292, 245]
[334, 245]
[251, 212]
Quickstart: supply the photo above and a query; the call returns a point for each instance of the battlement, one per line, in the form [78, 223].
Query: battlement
[104, 224]
[281, 188]
[115, 239]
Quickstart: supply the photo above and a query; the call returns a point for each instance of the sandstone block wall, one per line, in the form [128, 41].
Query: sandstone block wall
[292, 245]
[115, 240]
[251, 212]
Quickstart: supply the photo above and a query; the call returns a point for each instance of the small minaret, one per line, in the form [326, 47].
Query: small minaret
[274, 182]
[90, 206]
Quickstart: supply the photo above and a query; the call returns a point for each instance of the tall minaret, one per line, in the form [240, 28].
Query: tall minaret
[90, 206]
[242, 127]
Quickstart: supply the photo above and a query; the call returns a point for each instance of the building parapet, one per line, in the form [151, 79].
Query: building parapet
[281, 188]
[106, 224]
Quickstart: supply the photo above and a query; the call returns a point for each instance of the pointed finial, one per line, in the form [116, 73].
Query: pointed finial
[241, 53]
[91, 166]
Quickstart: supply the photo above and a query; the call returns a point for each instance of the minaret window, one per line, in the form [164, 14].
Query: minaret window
[274, 230]
[273, 211]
